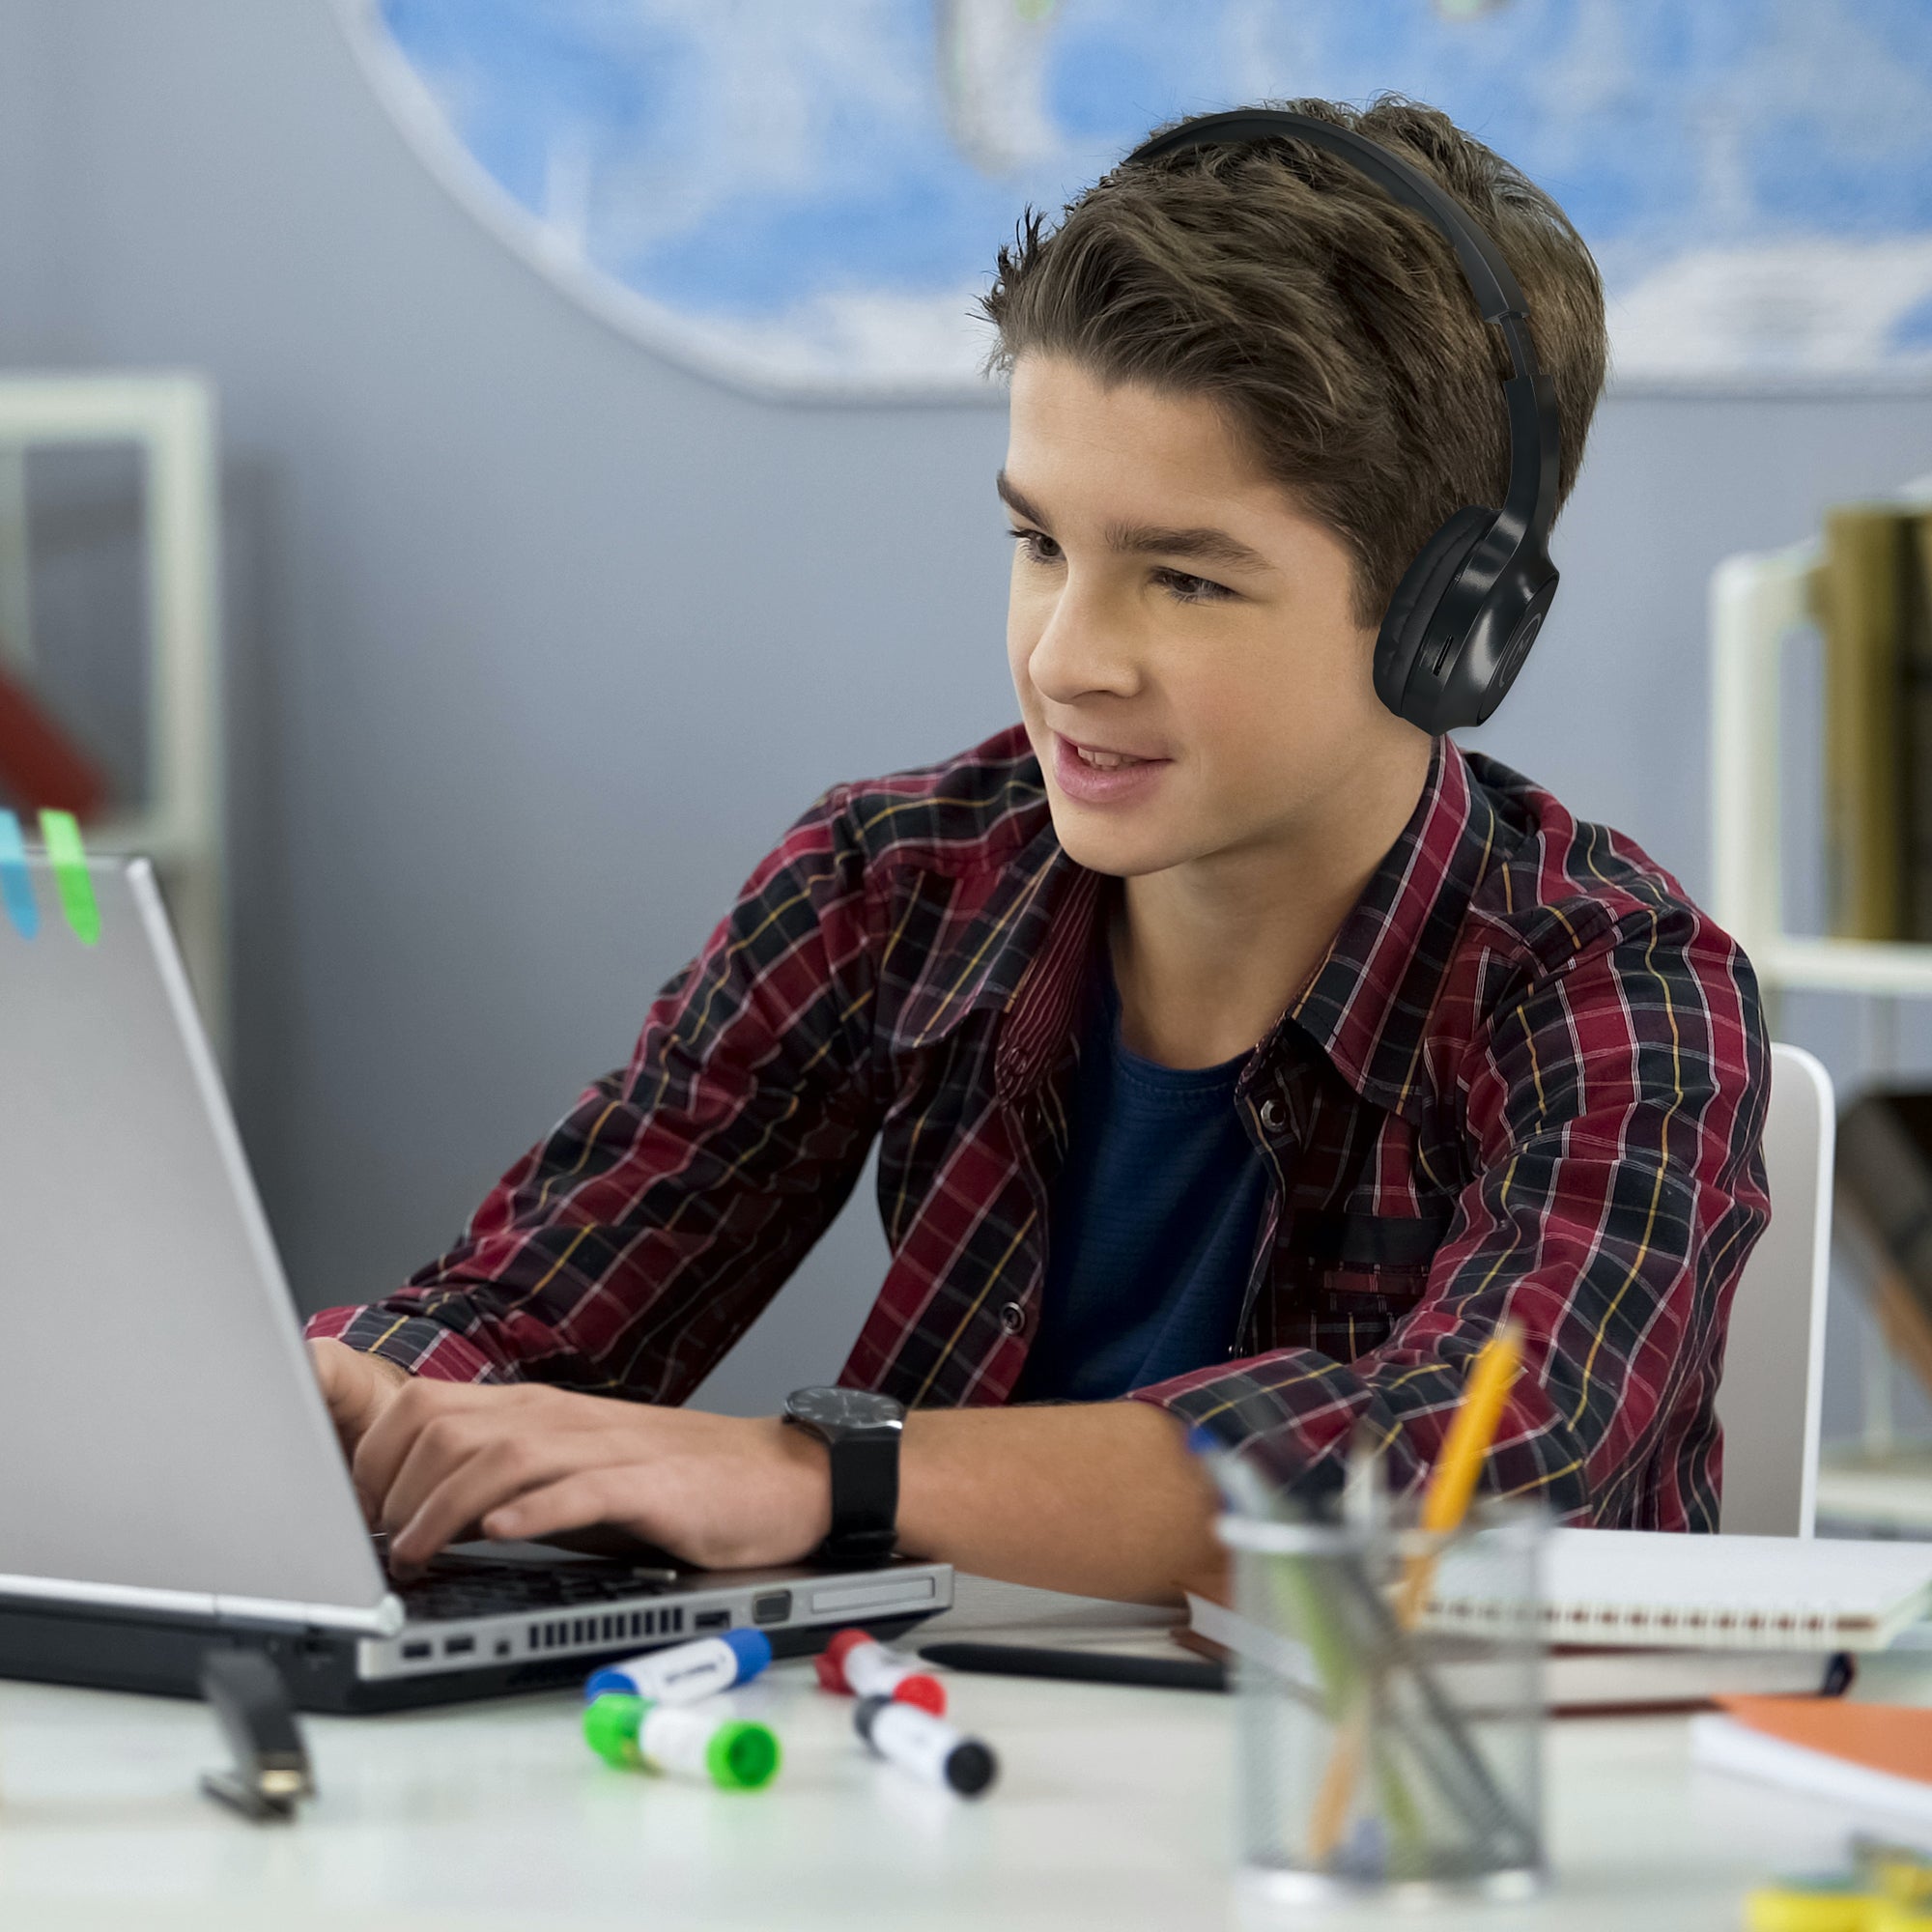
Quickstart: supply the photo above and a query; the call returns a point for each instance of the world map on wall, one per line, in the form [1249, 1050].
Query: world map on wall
[805, 196]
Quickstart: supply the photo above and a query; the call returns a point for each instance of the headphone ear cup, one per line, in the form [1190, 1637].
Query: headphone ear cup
[1405, 623]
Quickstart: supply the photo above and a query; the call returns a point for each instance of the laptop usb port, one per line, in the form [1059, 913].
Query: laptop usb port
[458, 1646]
[414, 1653]
[774, 1607]
[711, 1620]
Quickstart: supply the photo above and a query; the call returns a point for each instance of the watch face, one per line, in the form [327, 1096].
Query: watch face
[844, 1408]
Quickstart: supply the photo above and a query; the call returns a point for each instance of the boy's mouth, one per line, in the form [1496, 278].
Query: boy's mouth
[1103, 759]
[1100, 774]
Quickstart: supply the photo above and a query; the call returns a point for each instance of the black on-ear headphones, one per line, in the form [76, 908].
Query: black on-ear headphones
[1468, 610]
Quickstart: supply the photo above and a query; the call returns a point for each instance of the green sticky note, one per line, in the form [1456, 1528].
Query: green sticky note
[68, 859]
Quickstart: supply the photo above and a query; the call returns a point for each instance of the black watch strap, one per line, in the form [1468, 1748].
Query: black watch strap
[865, 1496]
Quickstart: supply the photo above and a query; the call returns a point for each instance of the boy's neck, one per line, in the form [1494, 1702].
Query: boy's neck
[1208, 954]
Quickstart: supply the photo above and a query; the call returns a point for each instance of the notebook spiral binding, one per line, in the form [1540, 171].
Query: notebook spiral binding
[1790, 1627]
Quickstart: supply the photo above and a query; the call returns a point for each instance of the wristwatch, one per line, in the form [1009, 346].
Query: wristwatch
[861, 1433]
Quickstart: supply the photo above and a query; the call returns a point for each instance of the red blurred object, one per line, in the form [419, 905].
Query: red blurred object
[40, 764]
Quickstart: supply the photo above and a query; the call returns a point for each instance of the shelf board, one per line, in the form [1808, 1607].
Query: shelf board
[1845, 965]
[148, 833]
[1892, 1492]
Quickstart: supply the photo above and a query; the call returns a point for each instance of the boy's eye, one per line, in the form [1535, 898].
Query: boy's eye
[1193, 589]
[1035, 546]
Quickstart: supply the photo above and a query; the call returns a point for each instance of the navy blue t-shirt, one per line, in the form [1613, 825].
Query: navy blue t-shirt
[1151, 1223]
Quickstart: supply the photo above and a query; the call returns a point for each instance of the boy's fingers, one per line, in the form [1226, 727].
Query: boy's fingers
[605, 1495]
[354, 1386]
[387, 1442]
[494, 1474]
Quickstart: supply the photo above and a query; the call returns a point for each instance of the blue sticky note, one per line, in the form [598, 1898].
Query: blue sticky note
[16, 883]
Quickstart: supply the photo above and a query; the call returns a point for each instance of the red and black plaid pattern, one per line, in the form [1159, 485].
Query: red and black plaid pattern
[1529, 1080]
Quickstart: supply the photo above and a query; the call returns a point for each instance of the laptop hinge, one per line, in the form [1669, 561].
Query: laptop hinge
[381, 1619]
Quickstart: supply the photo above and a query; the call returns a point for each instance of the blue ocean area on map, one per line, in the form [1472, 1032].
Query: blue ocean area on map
[811, 194]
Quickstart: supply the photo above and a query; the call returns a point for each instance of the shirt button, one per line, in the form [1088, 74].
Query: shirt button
[1272, 1118]
[1013, 1319]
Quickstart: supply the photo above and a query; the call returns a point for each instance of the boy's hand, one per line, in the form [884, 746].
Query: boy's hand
[356, 1387]
[718, 1490]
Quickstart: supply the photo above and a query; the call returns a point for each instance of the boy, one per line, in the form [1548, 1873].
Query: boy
[1241, 1054]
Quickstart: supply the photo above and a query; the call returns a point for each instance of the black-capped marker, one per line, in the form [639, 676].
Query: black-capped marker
[927, 1746]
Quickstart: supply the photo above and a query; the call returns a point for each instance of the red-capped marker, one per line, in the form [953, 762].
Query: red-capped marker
[857, 1665]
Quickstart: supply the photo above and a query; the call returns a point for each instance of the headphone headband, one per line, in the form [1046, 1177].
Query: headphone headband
[1531, 500]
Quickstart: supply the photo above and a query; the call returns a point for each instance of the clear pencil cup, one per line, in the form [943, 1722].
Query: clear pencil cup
[1389, 1720]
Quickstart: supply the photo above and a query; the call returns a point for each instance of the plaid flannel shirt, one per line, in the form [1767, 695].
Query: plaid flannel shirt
[1529, 1079]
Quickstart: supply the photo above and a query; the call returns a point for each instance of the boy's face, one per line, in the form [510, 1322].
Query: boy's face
[1188, 664]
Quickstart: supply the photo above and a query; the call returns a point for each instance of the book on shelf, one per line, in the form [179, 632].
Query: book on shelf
[41, 762]
[1915, 632]
[1860, 599]
[1884, 1183]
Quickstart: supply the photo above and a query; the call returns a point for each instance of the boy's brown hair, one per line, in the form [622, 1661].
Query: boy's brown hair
[1331, 324]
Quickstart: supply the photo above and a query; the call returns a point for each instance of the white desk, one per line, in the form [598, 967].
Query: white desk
[1111, 1812]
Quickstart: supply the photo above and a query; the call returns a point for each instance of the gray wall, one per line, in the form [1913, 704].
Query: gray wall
[538, 641]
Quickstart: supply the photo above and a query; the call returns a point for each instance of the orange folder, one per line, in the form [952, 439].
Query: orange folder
[1895, 1739]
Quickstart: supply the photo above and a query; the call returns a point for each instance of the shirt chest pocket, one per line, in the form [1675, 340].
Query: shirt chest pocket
[1358, 1265]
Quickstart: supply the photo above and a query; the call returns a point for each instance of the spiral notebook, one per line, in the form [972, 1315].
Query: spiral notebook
[1642, 1587]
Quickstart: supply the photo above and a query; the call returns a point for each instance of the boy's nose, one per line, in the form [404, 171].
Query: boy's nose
[1080, 650]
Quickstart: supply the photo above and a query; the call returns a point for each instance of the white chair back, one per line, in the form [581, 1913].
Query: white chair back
[1770, 1396]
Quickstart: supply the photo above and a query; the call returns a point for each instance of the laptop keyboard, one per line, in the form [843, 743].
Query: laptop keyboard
[459, 1586]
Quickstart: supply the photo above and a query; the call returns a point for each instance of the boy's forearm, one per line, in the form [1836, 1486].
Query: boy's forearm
[1100, 1498]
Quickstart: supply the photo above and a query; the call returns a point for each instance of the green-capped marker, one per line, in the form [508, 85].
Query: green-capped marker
[702, 1740]
[742, 1756]
[68, 858]
[611, 1726]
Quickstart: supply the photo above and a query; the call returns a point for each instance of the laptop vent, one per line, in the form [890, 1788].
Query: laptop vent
[561, 1633]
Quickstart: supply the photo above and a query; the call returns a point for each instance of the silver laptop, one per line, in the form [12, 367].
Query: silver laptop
[169, 1477]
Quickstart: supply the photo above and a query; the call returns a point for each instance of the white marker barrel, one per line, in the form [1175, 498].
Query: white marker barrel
[927, 1746]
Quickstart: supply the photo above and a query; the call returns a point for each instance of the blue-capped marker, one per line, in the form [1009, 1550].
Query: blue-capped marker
[16, 883]
[686, 1672]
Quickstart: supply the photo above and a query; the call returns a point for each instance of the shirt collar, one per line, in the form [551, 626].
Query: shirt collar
[1020, 954]
[1366, 1006]
[1367, 1003]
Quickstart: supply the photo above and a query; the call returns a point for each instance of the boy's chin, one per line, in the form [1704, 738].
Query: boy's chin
[1120, 851]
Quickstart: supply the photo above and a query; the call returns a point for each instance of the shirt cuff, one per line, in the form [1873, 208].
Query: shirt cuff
[413, 1342]
[1244, 1408]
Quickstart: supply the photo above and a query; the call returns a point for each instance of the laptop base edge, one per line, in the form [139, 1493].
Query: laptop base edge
[103, 1650]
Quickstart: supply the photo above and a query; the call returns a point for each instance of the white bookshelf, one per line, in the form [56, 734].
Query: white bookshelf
[1758, 603]
[170, 419]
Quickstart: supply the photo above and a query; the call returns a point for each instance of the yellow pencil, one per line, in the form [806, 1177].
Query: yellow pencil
[1452, 1485]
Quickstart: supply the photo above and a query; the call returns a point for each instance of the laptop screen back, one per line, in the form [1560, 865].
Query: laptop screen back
[158, 1426]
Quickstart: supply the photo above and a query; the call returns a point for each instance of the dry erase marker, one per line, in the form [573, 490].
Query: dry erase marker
[691, 1740]
[857, 1665]
[927, 1746]
[686, 1672]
